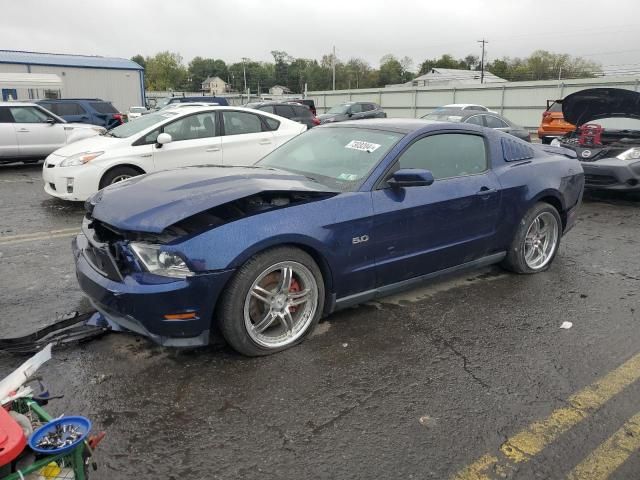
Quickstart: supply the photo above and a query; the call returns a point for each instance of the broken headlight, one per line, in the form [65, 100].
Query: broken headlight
[158, 261]
[631, 154]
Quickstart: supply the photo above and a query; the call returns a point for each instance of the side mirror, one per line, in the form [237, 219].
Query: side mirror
[50, 121]
[410, 177]
[163, 139]
[349, 113]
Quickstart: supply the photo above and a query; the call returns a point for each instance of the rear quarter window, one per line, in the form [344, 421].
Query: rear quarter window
[514, 151]
[555, 107]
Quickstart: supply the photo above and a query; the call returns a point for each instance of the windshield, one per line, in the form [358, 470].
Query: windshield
[137, 109]
[139, 124]
[339, 109]
[618, 123]
[163, 103]
[340, 158]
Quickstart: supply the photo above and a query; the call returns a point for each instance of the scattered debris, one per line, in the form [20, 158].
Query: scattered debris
[566, 325]
[345, 345]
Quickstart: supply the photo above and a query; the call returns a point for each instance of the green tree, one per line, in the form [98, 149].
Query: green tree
[165, 71]
[140, 60]
[391, 70]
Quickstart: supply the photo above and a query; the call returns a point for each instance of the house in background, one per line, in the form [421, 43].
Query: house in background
[214, 86]
[279, 90]
[450, 77]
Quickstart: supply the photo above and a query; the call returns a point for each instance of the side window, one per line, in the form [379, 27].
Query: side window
[272, 123]
[356, 108]
[239, 123]
[28, 115]
[475, 120]
[494, 122]
[285, 111]
[267, 108]
[69, 109]
[193, 127]
[367, 107]
[302, 111]
[5, 115]
[447, 155]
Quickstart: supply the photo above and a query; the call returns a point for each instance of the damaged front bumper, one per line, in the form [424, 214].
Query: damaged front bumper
[612, 174]
[141, 301]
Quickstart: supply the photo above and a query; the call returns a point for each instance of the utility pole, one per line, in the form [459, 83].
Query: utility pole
[244, 72]
[333, 66]
[483, 42]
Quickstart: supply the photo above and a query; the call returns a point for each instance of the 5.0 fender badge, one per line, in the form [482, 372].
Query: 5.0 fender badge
[361, 239]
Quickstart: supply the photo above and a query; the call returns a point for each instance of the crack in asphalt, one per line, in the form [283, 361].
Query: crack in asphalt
[465, 361]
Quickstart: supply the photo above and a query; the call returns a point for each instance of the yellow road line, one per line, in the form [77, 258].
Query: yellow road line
[611, 454]
[44, 237]
[533, 439]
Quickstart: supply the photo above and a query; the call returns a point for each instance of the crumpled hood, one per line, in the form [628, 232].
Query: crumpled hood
[151, 203]
[596, 103]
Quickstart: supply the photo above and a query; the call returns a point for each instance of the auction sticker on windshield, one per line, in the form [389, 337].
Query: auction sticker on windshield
[362, 146]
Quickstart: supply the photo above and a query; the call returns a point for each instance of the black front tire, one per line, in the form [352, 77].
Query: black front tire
[114, 174]
[515, 260]
[230, 311]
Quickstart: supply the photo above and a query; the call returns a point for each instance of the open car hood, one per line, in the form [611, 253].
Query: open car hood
[151, 203]
[596, 103]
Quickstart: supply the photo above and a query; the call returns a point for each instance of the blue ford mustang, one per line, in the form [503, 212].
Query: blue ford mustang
[339, 215]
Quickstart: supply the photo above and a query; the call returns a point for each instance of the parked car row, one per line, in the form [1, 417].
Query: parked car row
[85, 110]
[29, 132]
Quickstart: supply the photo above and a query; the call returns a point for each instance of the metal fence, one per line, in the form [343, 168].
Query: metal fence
[521, 102]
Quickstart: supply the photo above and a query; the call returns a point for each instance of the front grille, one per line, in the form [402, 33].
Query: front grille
[599, 180]
[103, 262]
[103, 252]
[50, 165]
[52, 185]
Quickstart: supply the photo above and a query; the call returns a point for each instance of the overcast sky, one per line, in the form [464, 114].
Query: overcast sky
[369, 29]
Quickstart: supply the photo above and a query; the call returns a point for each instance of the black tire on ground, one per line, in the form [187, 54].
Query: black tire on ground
[113, 174]
[515, 260]
[230, 311]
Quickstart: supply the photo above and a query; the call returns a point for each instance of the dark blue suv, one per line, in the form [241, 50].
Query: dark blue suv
[85, 110]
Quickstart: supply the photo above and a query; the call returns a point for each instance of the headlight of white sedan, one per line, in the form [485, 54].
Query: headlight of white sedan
[160, 262]
[631, 154]
[79, 159]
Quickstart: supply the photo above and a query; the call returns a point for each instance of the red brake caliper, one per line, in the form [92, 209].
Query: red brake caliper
[295, 287]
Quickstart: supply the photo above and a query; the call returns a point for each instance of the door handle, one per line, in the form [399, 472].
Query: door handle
[265, 142]
[485, 191]
[213, 149]
[23, 130]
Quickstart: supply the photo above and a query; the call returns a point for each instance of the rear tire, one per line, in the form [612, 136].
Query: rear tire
[273, 302]
[118, 174]
[536, 241]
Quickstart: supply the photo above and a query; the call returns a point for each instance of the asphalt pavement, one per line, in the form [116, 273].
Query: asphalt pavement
[468, 377]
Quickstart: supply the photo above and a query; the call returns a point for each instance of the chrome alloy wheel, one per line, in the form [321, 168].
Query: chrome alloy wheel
[281, 304]
[541, 241]
[120, 178]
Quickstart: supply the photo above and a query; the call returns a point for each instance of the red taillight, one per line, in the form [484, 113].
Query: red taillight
[316, 121]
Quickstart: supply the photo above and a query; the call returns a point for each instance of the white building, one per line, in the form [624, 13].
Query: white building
[279, 90]
[214, 86]
[117, 80]
[450, 76]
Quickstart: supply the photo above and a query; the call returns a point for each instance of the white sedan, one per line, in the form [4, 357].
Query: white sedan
[29, 132]
[163, 140]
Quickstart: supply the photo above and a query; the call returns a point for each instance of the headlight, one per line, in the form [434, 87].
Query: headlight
[631, 154]
[79, 159]
[160, 262]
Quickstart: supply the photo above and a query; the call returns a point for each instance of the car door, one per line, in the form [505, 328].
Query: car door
[195, 140]
[497, 123]
[419, 230]
[38, 133]
[245, 138]
[356, 111]
[8, 138]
